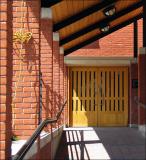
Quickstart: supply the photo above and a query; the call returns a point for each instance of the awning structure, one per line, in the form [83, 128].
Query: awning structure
[81, 22]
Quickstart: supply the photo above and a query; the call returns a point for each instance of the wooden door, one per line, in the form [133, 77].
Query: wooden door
[113, 99]
[98, 96]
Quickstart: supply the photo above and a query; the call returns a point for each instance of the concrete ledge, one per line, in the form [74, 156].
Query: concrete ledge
[142, 129]
[98, 61]
[45, 138]
[133, 125]
[61, 50]
[46, 13]
[135, 60]
[142, 50]
[55, 36]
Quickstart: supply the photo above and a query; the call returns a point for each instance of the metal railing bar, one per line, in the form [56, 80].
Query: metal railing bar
[24, 149]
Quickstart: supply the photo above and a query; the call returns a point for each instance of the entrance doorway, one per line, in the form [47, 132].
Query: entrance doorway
[98, 96]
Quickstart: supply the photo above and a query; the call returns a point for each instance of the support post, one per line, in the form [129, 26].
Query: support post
[135, 39]
[142, 90]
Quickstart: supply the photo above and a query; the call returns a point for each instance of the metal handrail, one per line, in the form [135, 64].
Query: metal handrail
[139, 103]
[24, 149]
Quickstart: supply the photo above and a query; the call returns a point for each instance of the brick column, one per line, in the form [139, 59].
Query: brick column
[62, 98]
[46, 61]
[61, 75]
[26, 68]
[133, 114]
[5, 78]
[66, 78]
[56, 73]
[142, 87]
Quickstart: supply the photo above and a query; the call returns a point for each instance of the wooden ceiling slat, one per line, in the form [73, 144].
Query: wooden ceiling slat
[127, 16]
[82, 14]
[57, 11]
[98, 24]
[119, 26]
[81, 39]
[46, 3]
[93, 18]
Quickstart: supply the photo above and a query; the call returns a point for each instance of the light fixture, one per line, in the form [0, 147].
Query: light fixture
[105, 28]
[109, 11]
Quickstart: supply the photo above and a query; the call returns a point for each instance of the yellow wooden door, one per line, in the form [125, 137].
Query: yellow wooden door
[98, 96]
[113, 99]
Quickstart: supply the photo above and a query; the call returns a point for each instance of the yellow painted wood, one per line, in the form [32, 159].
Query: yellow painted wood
[87, 92]
[121, 88]
[116, 91]
[107, 90]
[83, 90]
[96, 84]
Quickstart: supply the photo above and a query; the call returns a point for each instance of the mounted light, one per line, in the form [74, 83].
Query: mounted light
[111, 10]
[105, 28]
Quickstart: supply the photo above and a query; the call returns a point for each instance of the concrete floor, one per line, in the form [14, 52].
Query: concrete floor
[102, 144]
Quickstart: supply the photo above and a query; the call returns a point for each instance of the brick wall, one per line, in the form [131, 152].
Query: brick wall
[140, 33]
[5, 78]
[26, 68]
[47, 66]
[20, 71]
[142, 87]
[61, 70]
[133, 116]
[56, 73]
[117, 44]
[66, 89]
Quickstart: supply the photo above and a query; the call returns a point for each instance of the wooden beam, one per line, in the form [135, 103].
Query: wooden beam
[100, 23]
[82, 14]
[95, 38]
[49, 3]
[135, 39]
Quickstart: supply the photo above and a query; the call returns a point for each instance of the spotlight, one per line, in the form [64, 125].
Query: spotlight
[105, 28]
[111, 10]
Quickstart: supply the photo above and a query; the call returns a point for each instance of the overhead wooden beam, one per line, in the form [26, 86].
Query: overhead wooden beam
[82, 14]
[82, 44]
[49, 3]
[100, 23]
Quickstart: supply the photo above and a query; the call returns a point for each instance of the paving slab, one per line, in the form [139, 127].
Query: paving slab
[108, 143]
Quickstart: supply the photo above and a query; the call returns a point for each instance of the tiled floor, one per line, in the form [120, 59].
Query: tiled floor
[102, 144]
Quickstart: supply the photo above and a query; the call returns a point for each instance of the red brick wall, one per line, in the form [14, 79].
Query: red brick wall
[26, 69]
[56, 75]
[66, 89]
[46, 64]
[142, 87]
[133, 116]
[117, 44]
[5, 78]
[40, 54]
[3, 69]
[140, 33]
[61, 70]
